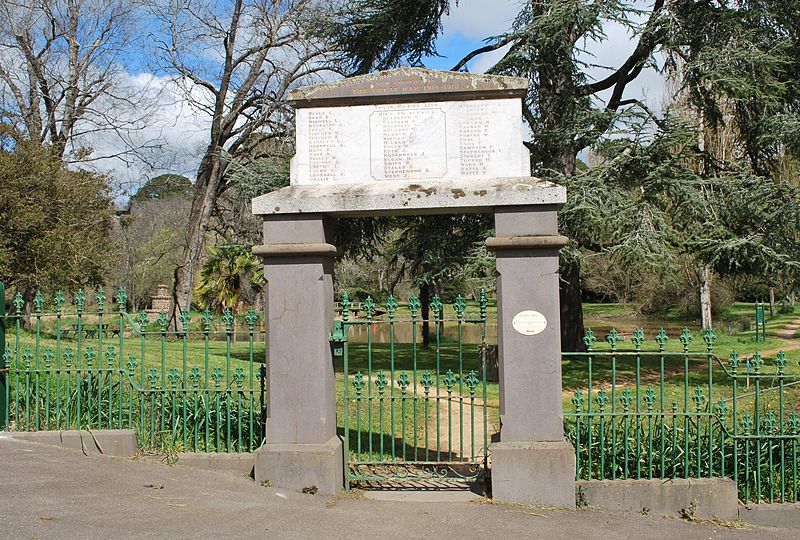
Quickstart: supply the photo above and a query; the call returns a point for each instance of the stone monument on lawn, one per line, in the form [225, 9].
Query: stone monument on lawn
[406, 142]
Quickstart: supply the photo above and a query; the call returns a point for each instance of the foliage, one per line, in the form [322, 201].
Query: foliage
[436, 250]
[150, 239]
[163, 186]
[739, 63]
[262, 171]
[664, 209]
[380, 34]
[657, 195]
[227, 276]
[54, 222]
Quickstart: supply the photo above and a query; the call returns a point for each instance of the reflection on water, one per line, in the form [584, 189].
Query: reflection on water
[471, 333]
[449, 331]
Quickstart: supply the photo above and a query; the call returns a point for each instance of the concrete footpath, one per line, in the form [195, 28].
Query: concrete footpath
[47, 492]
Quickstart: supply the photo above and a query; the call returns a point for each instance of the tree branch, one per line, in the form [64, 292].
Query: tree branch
[632, 66]
[482, 50]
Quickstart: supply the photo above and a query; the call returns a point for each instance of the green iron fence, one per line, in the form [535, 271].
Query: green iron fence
[82, 367]
[678, 412]
[411, 412]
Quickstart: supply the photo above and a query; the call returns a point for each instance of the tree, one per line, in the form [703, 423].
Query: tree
[568, 111]
[229, 273]
[235, 61]
[433, 251]
[737, 65]
[150, 239]
[163, 186]
[54, 222]
[666, 211]
[61, 80]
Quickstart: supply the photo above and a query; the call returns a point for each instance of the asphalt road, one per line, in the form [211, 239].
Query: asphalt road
[46, 492]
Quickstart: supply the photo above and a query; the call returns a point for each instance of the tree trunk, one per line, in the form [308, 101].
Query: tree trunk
[572, 329]
[772, 302]
[28, 294]
[705, 297]
[206, 190]
[425, 303]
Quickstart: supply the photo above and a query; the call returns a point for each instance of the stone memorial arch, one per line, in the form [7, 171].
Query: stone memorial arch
[413, 142]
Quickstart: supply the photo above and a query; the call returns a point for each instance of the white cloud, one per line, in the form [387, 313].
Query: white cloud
[480, 19]
[172, 139]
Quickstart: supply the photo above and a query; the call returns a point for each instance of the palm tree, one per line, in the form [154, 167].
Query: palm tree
[229, 272]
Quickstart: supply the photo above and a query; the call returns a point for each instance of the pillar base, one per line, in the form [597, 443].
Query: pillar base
[298, 466]
[535, 472]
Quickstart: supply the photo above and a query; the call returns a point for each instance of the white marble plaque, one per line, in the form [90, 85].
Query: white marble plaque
[448, 140]
[529, 323]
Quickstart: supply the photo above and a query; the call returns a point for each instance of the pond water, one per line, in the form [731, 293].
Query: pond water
[471, 333]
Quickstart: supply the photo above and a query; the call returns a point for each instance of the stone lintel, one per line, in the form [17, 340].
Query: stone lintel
[410, 197]
[408, 85]
[296, 250]
[526, 242]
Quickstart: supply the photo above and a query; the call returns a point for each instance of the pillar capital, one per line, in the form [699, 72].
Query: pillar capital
[554, 241]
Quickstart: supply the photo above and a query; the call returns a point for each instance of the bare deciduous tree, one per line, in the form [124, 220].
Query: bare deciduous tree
[235, 60]
[62, 80]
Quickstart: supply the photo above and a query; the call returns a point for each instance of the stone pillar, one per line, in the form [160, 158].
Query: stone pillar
[533, 462]
[302, 448]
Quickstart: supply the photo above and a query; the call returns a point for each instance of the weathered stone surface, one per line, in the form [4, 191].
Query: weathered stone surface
[301, 448]
[301, 402]
[109, 442]
[701, 498]
[772, 515]
[298, 466]
[534, 473]
[410, 197]
[239, 464]
[419, 141]
[408, 84]
[530, 365]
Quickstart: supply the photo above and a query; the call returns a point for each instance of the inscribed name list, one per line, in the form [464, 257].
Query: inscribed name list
[410, 141]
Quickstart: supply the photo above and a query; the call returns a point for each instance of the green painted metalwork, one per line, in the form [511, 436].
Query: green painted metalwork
[91, 367]
[412, 414]
[676, 412]
[4, 362]
[761, 322]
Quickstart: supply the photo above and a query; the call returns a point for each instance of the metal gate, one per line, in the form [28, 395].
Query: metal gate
[414, 410]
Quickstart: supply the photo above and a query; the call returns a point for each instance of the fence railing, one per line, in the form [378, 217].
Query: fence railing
[678, 412]
[76, 367]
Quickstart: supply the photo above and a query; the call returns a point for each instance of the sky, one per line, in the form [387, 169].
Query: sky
[184, 134]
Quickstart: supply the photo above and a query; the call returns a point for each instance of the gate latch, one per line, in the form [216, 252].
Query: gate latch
[338, 338]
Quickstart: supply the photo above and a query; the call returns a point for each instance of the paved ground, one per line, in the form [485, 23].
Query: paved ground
[46, 492]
